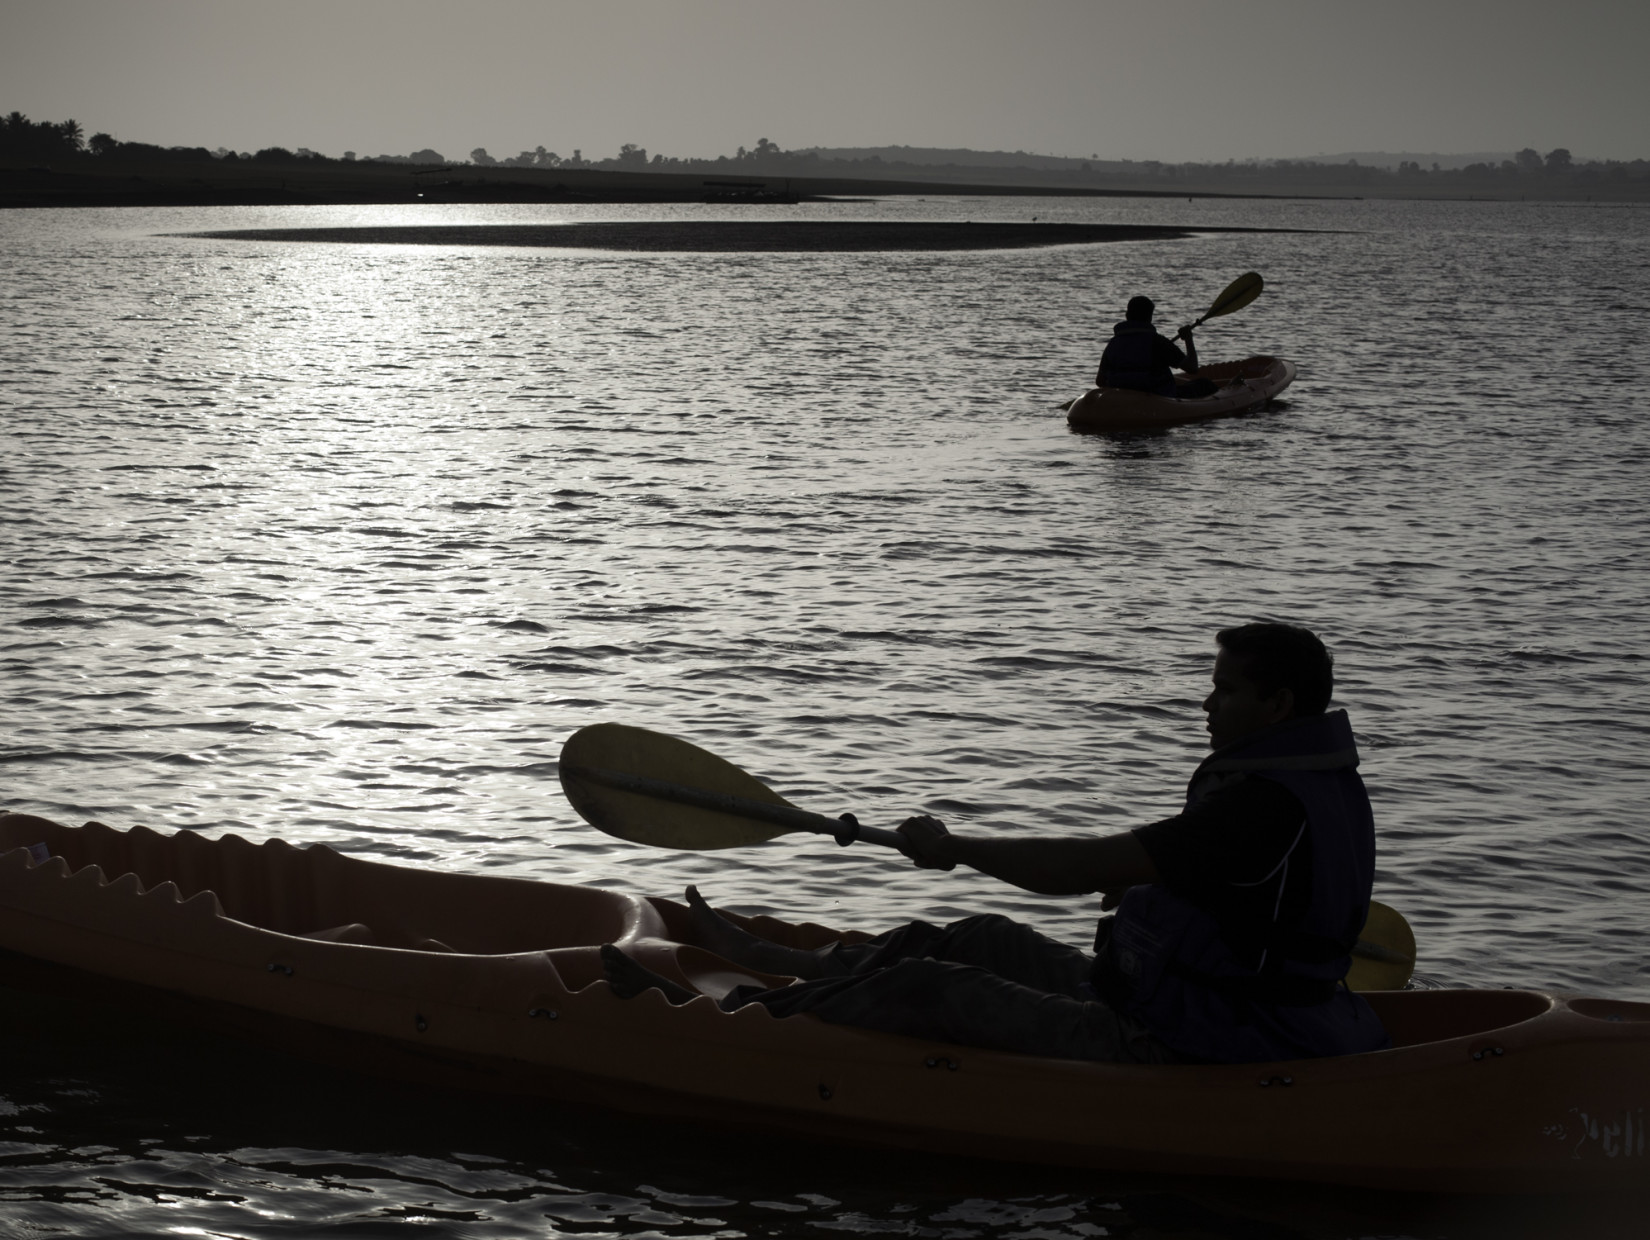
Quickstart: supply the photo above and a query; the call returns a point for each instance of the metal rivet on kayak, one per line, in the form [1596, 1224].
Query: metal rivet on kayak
[420, 1022]
[934, 1061]
[285, 969]
[1276, 1080]
[547, 1013]
[825, 1092]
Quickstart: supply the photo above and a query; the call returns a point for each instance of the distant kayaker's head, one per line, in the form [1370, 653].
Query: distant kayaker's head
[1264, 674]
[1140, 310]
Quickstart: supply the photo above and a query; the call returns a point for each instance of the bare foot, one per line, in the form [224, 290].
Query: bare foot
[716, 932]
[628, 978]
[742, 947]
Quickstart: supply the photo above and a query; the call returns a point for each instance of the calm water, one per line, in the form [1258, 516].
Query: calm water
[340, 543]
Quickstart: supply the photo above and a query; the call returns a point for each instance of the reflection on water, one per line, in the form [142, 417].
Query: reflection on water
[340, 543]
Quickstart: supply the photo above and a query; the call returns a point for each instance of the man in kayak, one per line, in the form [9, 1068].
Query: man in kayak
[1139, 359]
[1235, 918]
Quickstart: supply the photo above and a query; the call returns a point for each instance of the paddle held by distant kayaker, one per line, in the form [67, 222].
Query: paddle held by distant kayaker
[1234, 924]
[1139, 359]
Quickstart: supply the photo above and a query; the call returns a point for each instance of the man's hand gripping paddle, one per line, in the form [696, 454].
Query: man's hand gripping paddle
[654, 789]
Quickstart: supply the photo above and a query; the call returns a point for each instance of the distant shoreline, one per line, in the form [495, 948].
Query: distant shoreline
[728, 236]
[90, 181]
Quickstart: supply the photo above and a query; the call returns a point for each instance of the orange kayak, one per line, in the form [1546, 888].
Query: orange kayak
[496, 984]
[1244, 386]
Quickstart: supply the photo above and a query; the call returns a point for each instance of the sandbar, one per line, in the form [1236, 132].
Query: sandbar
[735, 236]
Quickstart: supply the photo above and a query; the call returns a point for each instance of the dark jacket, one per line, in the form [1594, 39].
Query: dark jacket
[1138, 358]
[1200, 985]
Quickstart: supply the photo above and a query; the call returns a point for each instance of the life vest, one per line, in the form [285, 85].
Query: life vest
[1244, 994]
[1129, 361]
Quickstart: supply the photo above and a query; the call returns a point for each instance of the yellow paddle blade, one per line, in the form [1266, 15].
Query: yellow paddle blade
[1385, 955]
[612, 749]
[1238, 294]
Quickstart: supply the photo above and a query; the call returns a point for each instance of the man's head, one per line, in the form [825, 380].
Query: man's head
[1264, 674]
[1140, 310]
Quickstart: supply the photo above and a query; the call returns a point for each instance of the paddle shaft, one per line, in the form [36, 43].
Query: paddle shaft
[1192, 327]
[845, 832]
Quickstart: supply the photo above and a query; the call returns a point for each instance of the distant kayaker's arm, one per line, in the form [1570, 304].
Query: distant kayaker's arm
[1185, 335]
[1065, 866]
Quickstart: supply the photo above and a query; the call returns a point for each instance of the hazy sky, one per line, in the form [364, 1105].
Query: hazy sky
[1172, 80]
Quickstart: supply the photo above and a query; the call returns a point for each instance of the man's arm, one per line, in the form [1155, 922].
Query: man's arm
[1052, 867]
[1185, 333]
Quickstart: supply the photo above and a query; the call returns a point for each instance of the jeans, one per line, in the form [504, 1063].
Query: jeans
[985, 981]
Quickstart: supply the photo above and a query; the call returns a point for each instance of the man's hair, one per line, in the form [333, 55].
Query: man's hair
[1284, 656]
[1140, 309]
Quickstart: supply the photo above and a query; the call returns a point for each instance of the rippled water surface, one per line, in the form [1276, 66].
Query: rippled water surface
[339, 543]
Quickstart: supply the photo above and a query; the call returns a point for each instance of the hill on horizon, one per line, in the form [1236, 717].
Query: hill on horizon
[967, 158]
[961, 156]
[1391, 159]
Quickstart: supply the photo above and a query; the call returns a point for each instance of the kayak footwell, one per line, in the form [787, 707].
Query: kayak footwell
[494, 984]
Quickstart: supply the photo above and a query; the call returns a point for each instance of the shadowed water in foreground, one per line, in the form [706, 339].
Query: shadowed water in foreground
[125, 1125]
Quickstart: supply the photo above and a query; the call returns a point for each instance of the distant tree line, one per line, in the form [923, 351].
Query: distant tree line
[21, 137]
[769, 159]
[1526, 166]
[35, 141]
[43, 140]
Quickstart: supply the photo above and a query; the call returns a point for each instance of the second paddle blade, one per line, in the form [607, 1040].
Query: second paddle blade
[1384, 958]
[654, 820]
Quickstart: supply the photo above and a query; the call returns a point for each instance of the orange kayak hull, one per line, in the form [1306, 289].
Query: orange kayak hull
[495, 984]
[1246, 385]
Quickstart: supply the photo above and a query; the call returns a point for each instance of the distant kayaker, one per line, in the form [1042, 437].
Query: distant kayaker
[1235, 918]
[1140, 359]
